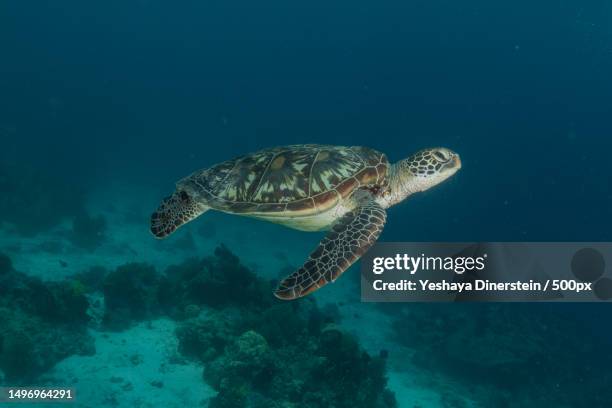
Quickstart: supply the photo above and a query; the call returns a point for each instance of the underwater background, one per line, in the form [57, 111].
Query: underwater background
[103, 106]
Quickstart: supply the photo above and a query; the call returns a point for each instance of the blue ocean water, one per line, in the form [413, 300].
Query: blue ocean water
[103, 107]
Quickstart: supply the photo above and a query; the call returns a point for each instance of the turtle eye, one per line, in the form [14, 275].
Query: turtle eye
[441, 156]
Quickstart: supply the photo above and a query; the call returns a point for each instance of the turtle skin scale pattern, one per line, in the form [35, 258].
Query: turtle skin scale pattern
[173, 212]
[348, 240]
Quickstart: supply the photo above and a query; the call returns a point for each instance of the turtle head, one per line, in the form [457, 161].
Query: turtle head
[423, 170]
[428, 168]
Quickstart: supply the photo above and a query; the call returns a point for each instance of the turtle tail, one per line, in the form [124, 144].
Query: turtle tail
[173, 212]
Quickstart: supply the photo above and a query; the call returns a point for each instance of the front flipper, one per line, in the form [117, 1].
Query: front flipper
[348, 240]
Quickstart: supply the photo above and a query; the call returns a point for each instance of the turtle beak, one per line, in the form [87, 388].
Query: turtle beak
[452, 166]
[456, 162]
[448, 158]
[453, 162]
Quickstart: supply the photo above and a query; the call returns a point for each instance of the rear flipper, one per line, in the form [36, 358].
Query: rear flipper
[350, 238]
[173, 212]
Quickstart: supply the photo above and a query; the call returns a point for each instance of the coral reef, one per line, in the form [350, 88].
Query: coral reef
[481, 340]
[29, 345]
[42, 323]
[61, 302]
[205, 338]
[91, 280]
[258, 351]
[216, 281]
[54, 302]
[261, 352]
[131, 293]
[514, 347]
[319, 371]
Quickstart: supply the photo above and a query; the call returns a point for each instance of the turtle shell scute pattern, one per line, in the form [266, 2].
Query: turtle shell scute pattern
[298, 178]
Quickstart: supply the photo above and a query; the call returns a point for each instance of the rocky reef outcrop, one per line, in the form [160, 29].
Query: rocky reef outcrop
[42, 323]
[256, 351]
[263, 352]
[511, 352]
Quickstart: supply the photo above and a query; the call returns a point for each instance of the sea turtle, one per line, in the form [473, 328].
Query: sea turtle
[309, 187]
